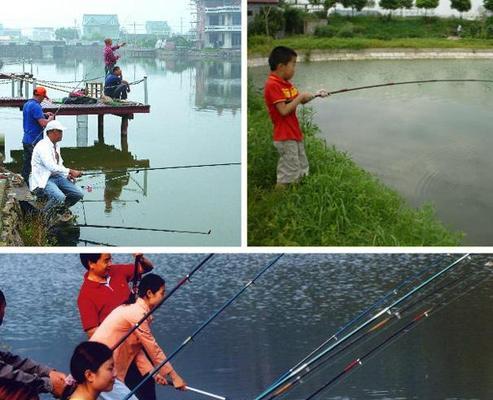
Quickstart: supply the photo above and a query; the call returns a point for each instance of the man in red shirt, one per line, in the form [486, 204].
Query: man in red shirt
[282, 99]
[105, 287]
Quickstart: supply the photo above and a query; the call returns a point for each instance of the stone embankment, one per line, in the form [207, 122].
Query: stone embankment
[11, 187]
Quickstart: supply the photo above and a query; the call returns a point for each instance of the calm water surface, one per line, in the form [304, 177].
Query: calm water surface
[430, 142]
[294, 307]
[194, 119]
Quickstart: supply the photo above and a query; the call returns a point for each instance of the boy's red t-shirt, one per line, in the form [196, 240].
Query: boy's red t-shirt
[278, 90]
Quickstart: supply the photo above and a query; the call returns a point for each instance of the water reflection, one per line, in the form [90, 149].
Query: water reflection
[180, 130]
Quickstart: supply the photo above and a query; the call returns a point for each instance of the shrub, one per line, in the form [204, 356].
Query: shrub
[325, 31]
[347, 31]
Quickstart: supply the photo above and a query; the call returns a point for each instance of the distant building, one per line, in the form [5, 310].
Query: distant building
[159, 28]
[12, 33]
[218, 23]
[43, 34]
[104, 25]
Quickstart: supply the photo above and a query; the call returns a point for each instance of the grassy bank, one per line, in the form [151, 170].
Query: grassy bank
[356, 33]
[262, 45]
[339, 204]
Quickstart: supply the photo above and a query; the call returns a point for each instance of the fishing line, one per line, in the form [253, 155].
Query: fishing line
[134, 228]
[203, 326]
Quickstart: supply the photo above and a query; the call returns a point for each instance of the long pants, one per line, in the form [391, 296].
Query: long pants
[108, 69]
[120, 92]
[26, 166]
[147, 391]
[61, 192]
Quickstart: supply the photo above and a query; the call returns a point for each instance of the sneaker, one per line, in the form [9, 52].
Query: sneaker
[65, 217]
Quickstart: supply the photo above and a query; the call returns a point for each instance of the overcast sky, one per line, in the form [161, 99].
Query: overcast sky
[26, 14]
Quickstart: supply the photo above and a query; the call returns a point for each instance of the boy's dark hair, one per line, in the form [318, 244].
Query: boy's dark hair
[150, 282]
[2, 299]
[89, 257]
[88, 356]
[280, 55]
[115, 68]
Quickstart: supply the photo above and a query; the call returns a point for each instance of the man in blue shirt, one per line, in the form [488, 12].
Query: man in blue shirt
[114, 86]
[34, 121]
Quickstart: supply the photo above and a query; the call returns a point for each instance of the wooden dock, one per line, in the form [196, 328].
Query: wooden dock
[124, 110]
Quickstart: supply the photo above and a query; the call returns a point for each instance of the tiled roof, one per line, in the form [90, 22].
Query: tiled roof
[100, 19]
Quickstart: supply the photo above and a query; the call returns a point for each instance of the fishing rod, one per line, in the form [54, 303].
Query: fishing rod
[385, 310]
[393, 337]
[397, 315]
[97, 243]
[113, 201]
[203, 326]
[163, 168]
[144, 229]
[404, 83]
[203, 392]
[184, 280]
[365, 312]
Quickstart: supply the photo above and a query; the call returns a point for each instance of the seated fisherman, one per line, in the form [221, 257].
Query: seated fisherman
[50, 178]
[114, 86]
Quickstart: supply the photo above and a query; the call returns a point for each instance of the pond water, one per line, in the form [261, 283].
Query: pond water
[194, 119]
[431, 142]
[291, 309]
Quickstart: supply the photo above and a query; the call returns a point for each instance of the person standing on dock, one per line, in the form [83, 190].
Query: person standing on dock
[110, 58]
[282, 98]
[22, 378]
[105, 287]
[34, 121]
[51, 178]
[114, 86]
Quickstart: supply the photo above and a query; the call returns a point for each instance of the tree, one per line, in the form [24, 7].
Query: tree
[66, 33]
[327, 4]
[407, 4]
[294, 20]
[427, 4]
[488, 4]
[390, 5]
[360, 4]
[269, 21]
[461, 5]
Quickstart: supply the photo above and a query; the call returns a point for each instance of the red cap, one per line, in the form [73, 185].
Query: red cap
[40, 91]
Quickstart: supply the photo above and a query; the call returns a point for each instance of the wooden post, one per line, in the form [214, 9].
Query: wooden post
[101, 128]
[124, 126]
[146, 96]
[13, 87]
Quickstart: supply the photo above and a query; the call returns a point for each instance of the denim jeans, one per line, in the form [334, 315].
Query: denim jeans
[60, 191]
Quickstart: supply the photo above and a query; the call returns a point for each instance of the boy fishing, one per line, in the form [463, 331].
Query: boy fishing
[282, 98]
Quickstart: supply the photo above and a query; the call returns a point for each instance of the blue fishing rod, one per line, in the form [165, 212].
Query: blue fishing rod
[203, 326]
[390, 293]
[385, 310]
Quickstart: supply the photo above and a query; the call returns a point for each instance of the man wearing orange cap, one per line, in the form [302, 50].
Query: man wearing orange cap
[34, 121]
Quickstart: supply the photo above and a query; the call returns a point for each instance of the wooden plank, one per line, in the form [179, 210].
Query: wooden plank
[81, 109]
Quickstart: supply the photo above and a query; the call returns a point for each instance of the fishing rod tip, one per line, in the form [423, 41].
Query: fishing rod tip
[210, 230]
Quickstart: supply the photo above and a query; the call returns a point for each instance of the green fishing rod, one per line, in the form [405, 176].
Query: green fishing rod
[277, 384]
[136, 228]
[404, 83]
[203, 326]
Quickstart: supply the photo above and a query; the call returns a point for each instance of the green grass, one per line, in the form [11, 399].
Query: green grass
[262, 46]
[339, 204]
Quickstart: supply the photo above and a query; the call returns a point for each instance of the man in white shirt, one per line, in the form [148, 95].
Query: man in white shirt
[49, 177]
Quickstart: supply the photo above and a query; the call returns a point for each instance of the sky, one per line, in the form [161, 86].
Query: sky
[27, 14]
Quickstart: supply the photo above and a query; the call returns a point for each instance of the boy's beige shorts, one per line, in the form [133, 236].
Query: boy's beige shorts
[293, 164]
